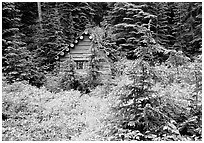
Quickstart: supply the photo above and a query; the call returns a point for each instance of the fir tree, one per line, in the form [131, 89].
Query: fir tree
[29, 18]
[19, 60]
[134, 97]
[191, 31]
[16, 57]
[82, 14]
[99, 11]
[128, 21]
[10, 25]
[66, 20]
[50, 40]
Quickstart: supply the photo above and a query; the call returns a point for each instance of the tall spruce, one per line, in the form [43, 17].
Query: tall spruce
[10, 25]
[29, 18]
[17, 59]
[50, 39]
[192, 29]
[178, 26]
[128, 21]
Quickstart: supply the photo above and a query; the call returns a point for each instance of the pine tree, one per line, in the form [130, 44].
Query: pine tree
[29, 18]
[128, 20]
[66, 20]
[10, 25]
[99, 11]
[134, 97]
[82, 16]
[178, 26]
[191, 31]
[164, 23]
[50, 39]
[18, 63]
[17, 60]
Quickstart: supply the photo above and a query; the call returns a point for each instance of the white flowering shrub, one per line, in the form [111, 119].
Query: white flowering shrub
[33, 114]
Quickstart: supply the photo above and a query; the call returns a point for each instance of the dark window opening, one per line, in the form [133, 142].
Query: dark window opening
[79, 64]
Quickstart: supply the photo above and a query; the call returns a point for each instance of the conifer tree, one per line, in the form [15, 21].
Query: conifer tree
[99, 11]
[29, 18]
[82, 15]
[178, 26]
[66, 20]
[191, 30]
[128, 21]
[50, 39]
[163, 25]
[17, 59]
[10, 25]
[134, 97]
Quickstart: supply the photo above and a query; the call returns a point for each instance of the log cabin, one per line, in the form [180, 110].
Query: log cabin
[81, 50]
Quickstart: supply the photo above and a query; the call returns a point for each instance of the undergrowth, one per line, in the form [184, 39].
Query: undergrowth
[141, 103]
[37, 115]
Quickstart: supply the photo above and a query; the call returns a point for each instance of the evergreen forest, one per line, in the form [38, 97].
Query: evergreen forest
[153, 91]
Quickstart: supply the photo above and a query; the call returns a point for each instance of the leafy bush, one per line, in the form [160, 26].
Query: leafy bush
[68, 75]
[143, 104]
[53, 83]
[162, 111]
[38, 115]
[66, 78]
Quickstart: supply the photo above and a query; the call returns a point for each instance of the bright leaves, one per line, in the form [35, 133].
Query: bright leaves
[38, 115]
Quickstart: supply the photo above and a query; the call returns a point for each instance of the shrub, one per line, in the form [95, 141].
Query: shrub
[143, 104]
[134, 94]
[162, 109]
[53, 83]
[38, 115]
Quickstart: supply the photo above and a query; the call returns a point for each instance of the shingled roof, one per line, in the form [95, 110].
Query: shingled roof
[67, 48]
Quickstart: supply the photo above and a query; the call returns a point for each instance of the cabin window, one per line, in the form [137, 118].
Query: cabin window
[79, 64]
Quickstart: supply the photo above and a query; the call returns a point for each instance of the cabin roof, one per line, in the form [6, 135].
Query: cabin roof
[87, 32]
[72, 45]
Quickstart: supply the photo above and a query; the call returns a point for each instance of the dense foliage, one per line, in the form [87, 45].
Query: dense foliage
[173, 25]
[154, 90]
[165, 105]
[160, 106]
[38, 115]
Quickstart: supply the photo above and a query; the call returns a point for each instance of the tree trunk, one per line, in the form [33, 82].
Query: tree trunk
[40, 14]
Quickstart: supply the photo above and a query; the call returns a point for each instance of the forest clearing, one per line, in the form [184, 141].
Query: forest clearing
[101, 71]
